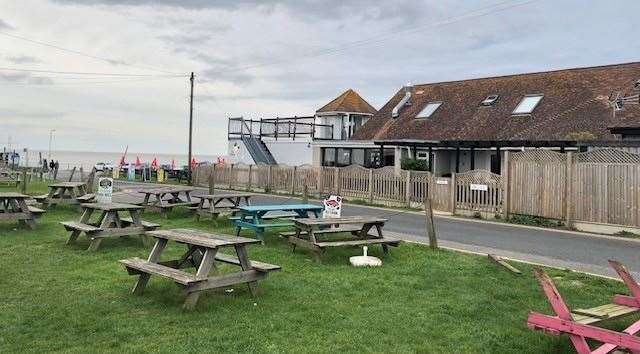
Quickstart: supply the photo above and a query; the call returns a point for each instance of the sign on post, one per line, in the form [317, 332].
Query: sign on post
[479, 187]
[105, 190]
[332, 206]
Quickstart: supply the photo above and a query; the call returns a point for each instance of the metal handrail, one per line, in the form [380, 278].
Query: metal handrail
[275, 128]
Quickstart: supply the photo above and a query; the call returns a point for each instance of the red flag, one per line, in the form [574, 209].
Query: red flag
[138, 161]
[193, 162]
[173, 164]
[154, 163]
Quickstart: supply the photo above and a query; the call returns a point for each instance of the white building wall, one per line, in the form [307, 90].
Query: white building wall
[238, 153]
[289, 152]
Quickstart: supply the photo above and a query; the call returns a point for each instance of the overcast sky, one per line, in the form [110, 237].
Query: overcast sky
[289, 57]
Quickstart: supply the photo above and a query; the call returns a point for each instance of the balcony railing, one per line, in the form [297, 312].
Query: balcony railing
[279, 128]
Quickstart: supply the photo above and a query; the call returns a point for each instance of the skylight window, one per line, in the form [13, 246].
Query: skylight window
[429, 109]
[490, 100]
[528, 104]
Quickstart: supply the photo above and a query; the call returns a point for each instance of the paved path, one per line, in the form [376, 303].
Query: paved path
[572, 250]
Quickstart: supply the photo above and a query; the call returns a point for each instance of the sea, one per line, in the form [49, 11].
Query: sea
[86, 159]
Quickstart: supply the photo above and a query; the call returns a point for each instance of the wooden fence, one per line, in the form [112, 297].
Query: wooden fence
[599, 186]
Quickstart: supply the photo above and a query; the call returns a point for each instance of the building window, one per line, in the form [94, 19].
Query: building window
[422, 155]
[344, 157]
[357, 157]
[429, 109]
[490, 100]
[329, 157]
[528, 104]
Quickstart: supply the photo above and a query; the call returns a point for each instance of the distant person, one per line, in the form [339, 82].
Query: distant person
[45, 166]
[52, 167]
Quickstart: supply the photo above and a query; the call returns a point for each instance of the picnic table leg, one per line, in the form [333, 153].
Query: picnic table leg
[86, 215]
[137, 222]
[245, 263]
[154, 256]
[25, 209]
[385, 247]
[312, 239]
[203, 272]
[107, 223]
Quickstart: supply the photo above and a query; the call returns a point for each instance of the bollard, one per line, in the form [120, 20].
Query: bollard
[431, 231]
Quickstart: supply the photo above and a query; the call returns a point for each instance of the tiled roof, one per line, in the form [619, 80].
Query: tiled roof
[349, 101]
[575, 101]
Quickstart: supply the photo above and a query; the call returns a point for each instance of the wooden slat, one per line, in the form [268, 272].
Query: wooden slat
[370, 241]
[343, 220]
[200, 238]
[176, 275]
[259, 266]
[74, 225]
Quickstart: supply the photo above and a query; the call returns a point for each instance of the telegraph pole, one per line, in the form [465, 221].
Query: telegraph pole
[190, 129]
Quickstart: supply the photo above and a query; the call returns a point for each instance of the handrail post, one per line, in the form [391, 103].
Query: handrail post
[276, 130]
[295, 124]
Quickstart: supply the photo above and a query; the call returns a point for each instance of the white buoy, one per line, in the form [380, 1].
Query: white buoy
[364, 260]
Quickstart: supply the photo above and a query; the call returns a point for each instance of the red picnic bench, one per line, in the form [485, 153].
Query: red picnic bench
[579, 324]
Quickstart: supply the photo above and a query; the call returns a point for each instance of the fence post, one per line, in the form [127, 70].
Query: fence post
[431, 230]
[23, 185]
[212, 180]
[305, 194]
[371, 185]
[336, 180]
[567, 190]
[506, 186]
[81, 174]
[249, 181]
[321, 181]
[293, 181]
[267, 188]
[231, 177]
[453, 193]
[407, 189]
[73, 172]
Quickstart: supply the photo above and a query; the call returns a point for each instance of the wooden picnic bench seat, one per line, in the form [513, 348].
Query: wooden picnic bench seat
[36, 211]
[41, 198]
[137, 266]
[146, 224]
[362, 242]
[259, 266]
[284, 216]
[78, 226]
[86, 198]
[287, 234]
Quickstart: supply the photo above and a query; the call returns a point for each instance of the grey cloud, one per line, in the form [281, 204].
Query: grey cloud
[22, 59]
[25, 78]
[10, 112]
[4, 25]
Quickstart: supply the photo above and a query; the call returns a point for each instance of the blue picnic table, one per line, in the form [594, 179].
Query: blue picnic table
[255, 216]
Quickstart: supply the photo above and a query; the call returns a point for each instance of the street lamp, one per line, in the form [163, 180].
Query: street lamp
[50, 139]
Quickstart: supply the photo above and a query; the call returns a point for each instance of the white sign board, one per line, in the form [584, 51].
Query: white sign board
[479, 187]
[332, 206]
[442, 181]
[105, 190]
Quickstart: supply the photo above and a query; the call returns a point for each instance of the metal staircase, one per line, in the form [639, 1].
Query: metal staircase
[258, 150]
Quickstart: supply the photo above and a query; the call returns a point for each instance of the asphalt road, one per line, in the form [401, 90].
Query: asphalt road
[582, 252]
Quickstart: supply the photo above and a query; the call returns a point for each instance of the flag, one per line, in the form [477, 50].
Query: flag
[193, 163]
[173, 164]
[154, 163]
[138, 161]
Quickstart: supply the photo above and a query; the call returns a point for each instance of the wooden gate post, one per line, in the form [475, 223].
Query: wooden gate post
[568, 195]
[431, 231]
[453, 193]
[73, 172]
[371, 185]
[212, 180]
[407, 189]
[292, 188]
[267, 188]
[506, 184]
[336, 180]
[23, 185]
[305, 194]
[249, 181]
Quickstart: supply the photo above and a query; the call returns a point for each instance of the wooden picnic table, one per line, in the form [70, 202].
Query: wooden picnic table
[202, 251]
[255, 216]
[13, 206]
[65, 193]
[210, 204]
[164, 199]
[9, 177]
[357, 226]
[109, 224]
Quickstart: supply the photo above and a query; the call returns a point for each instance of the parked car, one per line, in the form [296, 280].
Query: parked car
[103, 166]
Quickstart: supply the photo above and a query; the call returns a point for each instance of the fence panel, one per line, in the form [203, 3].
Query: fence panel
[387, 186]
[354, 182]
[307, 175]
[537, 183]
[606, 187]
[281, 178]
[479, 190]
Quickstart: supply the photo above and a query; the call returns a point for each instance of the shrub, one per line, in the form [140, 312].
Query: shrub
[414, 165]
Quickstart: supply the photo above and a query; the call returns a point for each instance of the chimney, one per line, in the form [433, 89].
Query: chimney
[404, 101]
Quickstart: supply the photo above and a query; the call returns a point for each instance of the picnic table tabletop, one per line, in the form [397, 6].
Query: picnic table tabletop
[111, 206]
[165, 190]
[279, 207]
[201, 238]
[342, 220]
[66, 184]
[224, 195]
[13, 195]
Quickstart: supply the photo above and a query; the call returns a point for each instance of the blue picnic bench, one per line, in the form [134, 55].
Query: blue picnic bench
[256, 217]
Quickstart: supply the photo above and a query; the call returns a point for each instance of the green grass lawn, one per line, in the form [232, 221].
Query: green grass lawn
[61, 298]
